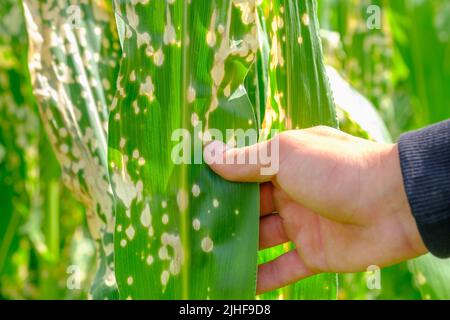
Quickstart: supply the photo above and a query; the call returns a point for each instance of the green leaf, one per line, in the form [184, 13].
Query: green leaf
[74, 50]
[359, 116]
[181, 231]
[299, 97]
[319, 287]
[420, 31]
[432, 277]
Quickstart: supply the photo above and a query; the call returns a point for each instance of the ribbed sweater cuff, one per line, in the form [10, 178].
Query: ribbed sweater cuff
[425, 163]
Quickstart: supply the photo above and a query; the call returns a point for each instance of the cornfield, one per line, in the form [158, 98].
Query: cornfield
[96, 95]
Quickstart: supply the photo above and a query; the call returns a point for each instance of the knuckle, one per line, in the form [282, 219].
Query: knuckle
[321, 129]
[286, 138]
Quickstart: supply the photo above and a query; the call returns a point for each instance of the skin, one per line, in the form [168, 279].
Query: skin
[338, 198]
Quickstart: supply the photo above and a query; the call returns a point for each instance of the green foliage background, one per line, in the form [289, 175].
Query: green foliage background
[403, 70]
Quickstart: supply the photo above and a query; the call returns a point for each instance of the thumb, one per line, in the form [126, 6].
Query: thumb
[255, 163]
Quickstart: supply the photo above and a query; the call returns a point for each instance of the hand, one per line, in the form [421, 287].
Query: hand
[338, 198]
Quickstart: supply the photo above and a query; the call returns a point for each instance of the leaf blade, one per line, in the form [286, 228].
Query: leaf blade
[194, 234]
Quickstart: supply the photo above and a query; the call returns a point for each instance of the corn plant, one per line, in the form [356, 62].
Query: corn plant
[410, 92]
[73, 53]
[356, 33]
[298, 97]
[181, 231]
[18, 141]
[417, 37]
[33, 234]
[427, 87]
[129, 93]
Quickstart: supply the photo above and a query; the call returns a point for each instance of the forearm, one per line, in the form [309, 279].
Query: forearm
[425, 163]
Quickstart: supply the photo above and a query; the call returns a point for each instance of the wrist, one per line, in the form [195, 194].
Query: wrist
[396, 201]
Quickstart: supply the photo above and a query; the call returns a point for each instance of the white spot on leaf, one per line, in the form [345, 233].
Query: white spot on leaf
[158, 57]
[196, 224]
[207, 244]
[165, 277]
[146, 216]
[182, 200]
[195, 190]
[130, 232]
[191, 94]
[147, 88]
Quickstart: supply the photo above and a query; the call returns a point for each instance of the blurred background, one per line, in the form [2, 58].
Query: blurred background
[390, 72]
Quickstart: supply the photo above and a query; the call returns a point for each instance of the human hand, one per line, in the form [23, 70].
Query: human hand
[338, 198]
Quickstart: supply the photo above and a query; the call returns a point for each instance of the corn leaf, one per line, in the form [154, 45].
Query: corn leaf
[356, 111]
[29, 182]
[358, 47]
[421, 30]
[18, 137]
[181, 231]
[431, 276]
[73, 50]
[299, 97]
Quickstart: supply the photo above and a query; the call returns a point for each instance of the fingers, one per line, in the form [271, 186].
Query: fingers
[271, 232]
[284, 270]
[320, 169]
[248, 164]
[267, 205]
